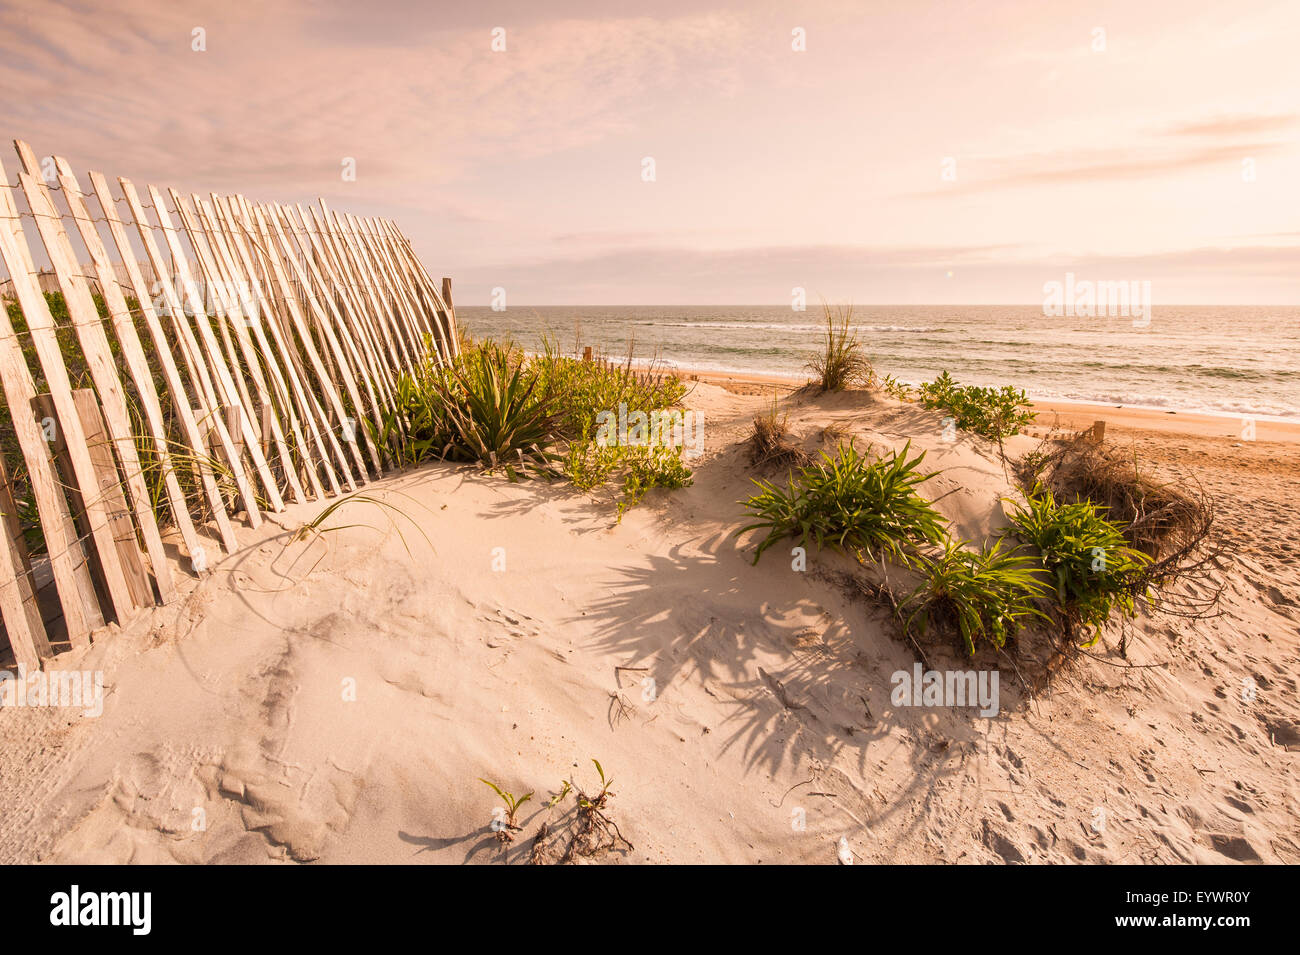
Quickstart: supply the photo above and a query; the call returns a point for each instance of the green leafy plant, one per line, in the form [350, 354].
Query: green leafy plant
[991, 412]
[895, 388]
[580, 389]
[850, 504]
[984, 595]
[499, 417]
[649, 468]
[842, 362]
[566, 787]
[1087, 557]
[512, 804]
[589, 464]
[419, 427]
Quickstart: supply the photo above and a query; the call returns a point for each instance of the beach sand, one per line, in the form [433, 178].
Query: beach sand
[336, 699]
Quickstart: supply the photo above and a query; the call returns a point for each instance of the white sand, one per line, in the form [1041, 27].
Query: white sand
[771, 704]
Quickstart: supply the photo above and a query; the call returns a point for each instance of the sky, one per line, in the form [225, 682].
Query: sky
[873, 152]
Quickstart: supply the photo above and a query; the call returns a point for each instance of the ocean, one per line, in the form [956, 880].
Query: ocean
[1231, 360]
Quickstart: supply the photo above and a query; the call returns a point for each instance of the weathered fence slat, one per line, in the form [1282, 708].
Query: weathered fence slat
[250, 353]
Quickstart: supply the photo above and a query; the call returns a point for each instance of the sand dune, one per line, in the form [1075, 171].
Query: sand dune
[336, 699]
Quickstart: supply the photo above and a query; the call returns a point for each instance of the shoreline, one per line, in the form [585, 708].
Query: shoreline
[1070, 414]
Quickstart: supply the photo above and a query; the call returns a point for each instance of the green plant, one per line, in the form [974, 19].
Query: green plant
[896, 389]
[991, 412]
[418, 427]
[658, 466]
[850, 504]
[513, 803]
[593, 830]
[579, 390]
[984, 595]
[566, 787]
[1087, 557]
[597, 802]
[589, 464]
[842, 362]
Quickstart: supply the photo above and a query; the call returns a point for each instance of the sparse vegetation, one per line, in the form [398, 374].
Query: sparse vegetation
[896, 389]
[594, 831]
[984, 596]
[512, 804]
[770, 441]
[649, 468]
[1088, 559]
[843, 361]
[991, 412]
[850, 503]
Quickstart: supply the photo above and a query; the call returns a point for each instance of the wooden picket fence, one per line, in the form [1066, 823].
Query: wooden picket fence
[218, 357]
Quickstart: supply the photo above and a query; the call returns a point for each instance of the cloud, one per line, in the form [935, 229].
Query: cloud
[1164, 152]
[867, 275]
[256, 112]
[1234, 126]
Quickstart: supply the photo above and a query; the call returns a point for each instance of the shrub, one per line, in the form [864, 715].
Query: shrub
[499, 416]
[850, 504]
[420, 415]
[991, 412]
[985, 595]
[895, 388]
[1087, 558]
[842, 362]
[579, 390]
[1158, 518]
[502, 409]
[649, 468]
[770, 443]
[485, 406]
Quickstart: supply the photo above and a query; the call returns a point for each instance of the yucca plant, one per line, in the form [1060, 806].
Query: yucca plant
[842, 362]
[1087, 557]
[984, 595]
[851, 504]
[497, 413]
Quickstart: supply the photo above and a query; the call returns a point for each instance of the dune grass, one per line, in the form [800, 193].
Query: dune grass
[986, 596]
[1087, 559]
[843, 361]
[849, 503]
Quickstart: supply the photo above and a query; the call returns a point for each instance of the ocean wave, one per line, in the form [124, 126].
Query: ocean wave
[786, 327]
[1223, 407]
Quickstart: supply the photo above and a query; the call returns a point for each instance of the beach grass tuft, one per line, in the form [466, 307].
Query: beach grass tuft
[843, 361]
